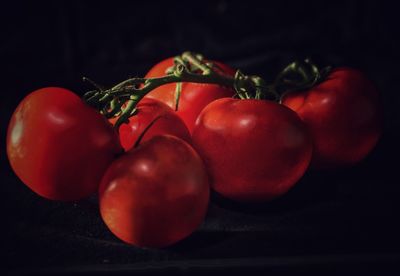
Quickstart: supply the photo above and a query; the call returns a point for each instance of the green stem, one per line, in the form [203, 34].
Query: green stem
[299, 75]
[178, 91]
[187, 56]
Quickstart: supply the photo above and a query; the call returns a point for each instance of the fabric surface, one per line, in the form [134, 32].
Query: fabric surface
[336, 221]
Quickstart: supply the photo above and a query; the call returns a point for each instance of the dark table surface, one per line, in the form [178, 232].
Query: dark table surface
[335, 222]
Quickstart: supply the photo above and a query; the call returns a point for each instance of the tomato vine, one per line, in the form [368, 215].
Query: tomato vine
[120, 101]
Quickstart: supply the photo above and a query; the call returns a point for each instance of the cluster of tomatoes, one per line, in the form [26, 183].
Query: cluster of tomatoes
[153, 173]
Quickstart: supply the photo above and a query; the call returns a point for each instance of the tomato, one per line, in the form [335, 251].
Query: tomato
[343, 114]
[58, 146]
[255, 150]
[152, 118]
[155, 194]
[194, 96]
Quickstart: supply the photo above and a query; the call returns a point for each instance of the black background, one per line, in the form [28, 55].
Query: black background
[331, 222]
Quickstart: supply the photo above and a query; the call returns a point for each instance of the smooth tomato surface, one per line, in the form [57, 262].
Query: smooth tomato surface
[153, 118]
[194, 96]
[254, 150]
[155, 194]
[343, 114]
[58, 146]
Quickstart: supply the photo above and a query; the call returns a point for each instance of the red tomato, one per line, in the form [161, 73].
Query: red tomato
[255, 150]
[343, 114]
[194, 96]
[153, 118]
[58, 146]
[155, 194]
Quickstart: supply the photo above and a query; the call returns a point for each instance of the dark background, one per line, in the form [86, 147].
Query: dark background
[331, 222]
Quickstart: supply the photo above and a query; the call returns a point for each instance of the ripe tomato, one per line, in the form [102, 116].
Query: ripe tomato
[255, 150]
[343, 114]
[155, 194]
[153, 118]
[58, 146]
[194, 96]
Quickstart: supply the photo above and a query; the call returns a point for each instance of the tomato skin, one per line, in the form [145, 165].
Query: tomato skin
[254, 150]
[165, 122]
[344, 117]
[155, 194]
[194, 96]
[58, 146]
